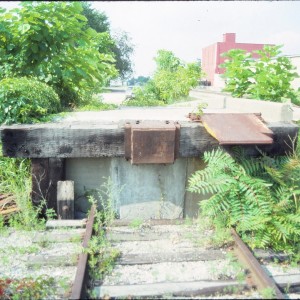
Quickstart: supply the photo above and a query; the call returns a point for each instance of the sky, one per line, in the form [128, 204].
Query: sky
[185, 27]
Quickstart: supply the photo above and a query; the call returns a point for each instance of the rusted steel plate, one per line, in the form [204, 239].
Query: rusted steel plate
[236, 128]
[151, 142]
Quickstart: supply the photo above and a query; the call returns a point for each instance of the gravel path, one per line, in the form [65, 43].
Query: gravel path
[173, 270]
[25, 255]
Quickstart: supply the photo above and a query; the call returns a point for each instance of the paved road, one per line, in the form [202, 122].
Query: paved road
[215, 100]
[114, 97]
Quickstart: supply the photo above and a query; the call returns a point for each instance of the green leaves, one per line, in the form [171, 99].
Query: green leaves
[172, 81]
[258, 196]
[23, 28]
[24, 100]
[51, 41]
[267, 78]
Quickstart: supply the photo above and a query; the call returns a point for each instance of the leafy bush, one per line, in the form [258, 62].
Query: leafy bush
[266, 78]
[260, 197]
[95, 104]
[145, 96]
[24, 100]
[52, 42]
[171, 82]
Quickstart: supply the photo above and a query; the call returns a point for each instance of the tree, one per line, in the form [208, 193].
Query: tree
[118, 43]
[140, 80]
[266, 78]
[50, 41]
[95, 19]
[172, 80]
[238, 72]
[167, 61]
[123, 50]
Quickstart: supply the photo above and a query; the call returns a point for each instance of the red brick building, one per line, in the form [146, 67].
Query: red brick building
[211, 57]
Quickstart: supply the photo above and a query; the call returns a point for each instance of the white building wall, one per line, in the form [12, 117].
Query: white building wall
[219, 82]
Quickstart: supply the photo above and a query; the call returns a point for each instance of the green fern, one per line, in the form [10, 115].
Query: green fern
[259, 196]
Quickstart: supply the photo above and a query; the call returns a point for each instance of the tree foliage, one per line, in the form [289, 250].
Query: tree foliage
[260, 197]
[172, 80]
[119, 43]
[123, 49]
[266, 78]
[95, 19]
[167, 61]
[51, 41]
[140, 80]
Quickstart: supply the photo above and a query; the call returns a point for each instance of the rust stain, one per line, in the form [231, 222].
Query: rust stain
[236, 128]
[150, 142]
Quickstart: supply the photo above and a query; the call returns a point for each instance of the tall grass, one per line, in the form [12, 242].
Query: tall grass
[15, 179]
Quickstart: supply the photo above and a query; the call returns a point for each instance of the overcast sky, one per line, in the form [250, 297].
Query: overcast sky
[185, 27]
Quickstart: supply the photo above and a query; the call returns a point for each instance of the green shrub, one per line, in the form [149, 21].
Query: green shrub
[15, 180]
[267, 78]
[145, 96]
[260, 197]
[171, 82]
[24, 100]
[94, 103]
[50, 40]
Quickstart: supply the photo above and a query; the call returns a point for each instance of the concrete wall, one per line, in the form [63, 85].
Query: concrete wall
[139, 191]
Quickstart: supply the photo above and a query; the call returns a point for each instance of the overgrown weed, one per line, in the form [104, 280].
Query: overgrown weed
[15, 179]
[102, 255]
[259, 197]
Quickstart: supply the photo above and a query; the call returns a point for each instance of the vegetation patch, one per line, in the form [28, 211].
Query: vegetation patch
[102, 255]
[27, 288]
[25, 100]
[267, 78]
[260, 197]
[171, 82]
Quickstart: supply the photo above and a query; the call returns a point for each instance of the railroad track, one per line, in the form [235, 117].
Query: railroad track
[163, 261]
[47, 264]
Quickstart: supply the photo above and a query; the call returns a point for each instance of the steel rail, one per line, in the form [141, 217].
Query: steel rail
[79, 289]
[259, 275]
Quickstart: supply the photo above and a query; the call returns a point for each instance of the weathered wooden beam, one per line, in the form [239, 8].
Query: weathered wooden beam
[59, 236]
[175, 289]
[46, 172]
[65, 199]
[107, 140]
[61, 141]
[160, 257]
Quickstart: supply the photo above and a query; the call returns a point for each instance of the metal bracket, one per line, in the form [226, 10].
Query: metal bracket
[151, 142]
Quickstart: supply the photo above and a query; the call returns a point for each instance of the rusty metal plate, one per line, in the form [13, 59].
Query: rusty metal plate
[150, 142]
[236, 128]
